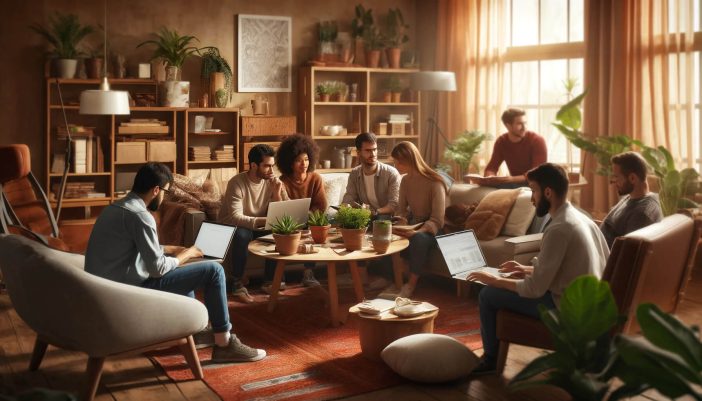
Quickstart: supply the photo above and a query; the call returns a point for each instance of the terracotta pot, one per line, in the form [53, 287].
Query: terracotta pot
[319, 233]
[93, 67]
[287, 244]
[396, 97]
[353, 238]
[393, 54]
[381, 245]
[324, 97]
[372, 58]
[387, 97]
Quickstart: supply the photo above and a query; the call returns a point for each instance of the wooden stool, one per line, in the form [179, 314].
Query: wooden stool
[376, 333]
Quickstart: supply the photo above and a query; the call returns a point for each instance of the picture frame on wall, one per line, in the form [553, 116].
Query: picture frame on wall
[264, 53]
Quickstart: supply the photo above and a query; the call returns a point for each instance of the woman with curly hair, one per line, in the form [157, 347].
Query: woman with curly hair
[422, 200]
[296, 159]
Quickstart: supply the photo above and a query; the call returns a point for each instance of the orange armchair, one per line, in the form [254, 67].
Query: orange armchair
[652, 264]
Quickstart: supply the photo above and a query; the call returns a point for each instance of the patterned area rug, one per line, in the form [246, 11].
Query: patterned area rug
[307, 358]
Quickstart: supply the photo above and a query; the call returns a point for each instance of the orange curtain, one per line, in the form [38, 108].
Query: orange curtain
[472, 38]
[639, 72]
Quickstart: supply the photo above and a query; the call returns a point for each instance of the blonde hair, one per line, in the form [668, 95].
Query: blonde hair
[407, 152]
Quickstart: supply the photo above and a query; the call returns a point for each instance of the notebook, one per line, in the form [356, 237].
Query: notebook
[463, 255]
[213, 239]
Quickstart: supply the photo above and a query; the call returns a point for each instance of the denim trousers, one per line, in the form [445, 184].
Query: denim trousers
[418, 250]
[240, 252]
[186, 279]
[493, 299]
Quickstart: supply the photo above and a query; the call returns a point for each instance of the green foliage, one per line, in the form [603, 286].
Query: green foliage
[349, 217]
[588, 359]
[675, 185]
[285, 225]
[172, 48]
[328, 31]
[394, 31]
[392, 84]
[331, 87]
[317, 218]
[362, 20]
[463, 148]
[372, 38]
[64, 33]
[212, 61]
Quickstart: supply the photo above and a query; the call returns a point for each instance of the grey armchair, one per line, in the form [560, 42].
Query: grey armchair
[72, 309]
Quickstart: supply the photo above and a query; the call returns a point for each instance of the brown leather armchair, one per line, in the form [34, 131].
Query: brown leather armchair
[652, 264]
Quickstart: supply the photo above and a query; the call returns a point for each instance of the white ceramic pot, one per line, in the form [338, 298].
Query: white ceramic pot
[175, 93]
[66, 67]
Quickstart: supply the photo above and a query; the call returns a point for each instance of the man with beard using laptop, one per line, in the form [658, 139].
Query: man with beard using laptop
[572, 246]
[124, 247]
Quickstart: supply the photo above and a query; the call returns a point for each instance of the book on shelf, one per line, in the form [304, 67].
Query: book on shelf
[80, 153]
[58, 163]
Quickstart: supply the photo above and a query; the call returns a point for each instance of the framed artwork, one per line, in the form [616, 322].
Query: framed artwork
[264, 53]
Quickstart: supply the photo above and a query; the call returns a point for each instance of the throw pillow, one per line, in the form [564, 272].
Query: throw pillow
[520, 217]
[490, 215]
[429, 358]
[455, 216]
[335, 187]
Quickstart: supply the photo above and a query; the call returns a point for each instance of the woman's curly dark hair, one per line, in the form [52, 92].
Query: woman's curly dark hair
[292, 147]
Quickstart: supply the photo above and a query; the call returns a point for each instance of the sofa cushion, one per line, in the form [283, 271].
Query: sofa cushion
[490, 215]
[521, 215]
[335, 187]
[429, 358]
[468, 193]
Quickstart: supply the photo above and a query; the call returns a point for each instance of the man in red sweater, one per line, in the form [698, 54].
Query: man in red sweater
[522, 150]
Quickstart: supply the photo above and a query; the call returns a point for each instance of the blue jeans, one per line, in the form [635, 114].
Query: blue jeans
[206, 275]
[240, 252]
[493, 299]
[418, 251]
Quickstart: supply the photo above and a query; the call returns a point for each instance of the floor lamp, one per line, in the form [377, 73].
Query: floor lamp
[433, 81]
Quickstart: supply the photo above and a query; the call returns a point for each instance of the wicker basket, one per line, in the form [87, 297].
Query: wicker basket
[268, 125]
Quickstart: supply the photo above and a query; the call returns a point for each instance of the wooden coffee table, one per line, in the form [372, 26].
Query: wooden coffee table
[330, 253]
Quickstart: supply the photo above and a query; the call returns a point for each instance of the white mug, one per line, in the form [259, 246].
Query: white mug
[326, 163]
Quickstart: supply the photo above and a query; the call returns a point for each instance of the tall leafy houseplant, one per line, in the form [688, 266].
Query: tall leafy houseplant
[394, 35]
[588, 358]
[675, 186]
[64, 33]
[213, 67]
[462, 150]
[171, 47]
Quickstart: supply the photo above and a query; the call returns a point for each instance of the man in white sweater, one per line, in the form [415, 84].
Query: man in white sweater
[245, 205]
[572, 246]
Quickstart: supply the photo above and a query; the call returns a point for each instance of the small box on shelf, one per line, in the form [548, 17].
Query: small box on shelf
[161, 151]
[381, 129]
[130, 152]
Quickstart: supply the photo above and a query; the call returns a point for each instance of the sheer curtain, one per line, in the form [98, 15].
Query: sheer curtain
[639, 70]
[472, 39]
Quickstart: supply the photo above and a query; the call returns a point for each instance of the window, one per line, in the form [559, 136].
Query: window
[545, 49]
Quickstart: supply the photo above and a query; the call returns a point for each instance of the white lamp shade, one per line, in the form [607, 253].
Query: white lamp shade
[104, 102]
[434, 81]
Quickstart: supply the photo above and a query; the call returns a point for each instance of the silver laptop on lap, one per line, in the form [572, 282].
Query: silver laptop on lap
[213, 239]
[463, 255]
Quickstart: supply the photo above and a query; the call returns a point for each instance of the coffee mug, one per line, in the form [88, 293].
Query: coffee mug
[326, 163]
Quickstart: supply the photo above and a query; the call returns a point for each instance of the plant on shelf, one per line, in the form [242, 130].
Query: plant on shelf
[318, 222]
[64, 33]
[362, 20]
[328, 31]
[339, 90]
[462, 149]
[214, 68]
[392, 89]
[353, 223]
[286, 232]
[374, 44]
[588, 357]
[394, 34]
[325, 90]
[172, 48]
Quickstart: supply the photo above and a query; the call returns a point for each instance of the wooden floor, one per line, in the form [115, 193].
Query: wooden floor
[136, 378]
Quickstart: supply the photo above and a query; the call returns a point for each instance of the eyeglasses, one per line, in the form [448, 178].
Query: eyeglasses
[168, 191]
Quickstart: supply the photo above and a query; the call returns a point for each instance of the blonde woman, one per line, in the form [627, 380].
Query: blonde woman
[422, 200]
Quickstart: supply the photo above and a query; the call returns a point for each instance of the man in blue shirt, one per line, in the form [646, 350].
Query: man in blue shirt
[124, 247]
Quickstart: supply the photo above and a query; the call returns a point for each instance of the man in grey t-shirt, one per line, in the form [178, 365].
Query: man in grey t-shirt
[638, 207]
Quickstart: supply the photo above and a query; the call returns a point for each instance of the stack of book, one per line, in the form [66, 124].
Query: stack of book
[86, 155]
[224, 153]
[143, 126]
[78, 190]
[198, 153]
[397, 124]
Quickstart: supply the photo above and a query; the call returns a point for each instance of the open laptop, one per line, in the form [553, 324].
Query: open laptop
[213, 239]
[463, 255]
[296, 208]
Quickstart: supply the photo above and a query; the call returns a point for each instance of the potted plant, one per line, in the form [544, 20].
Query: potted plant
[325, 90]
[382, 235]
[353, 223]
[394, 35]
[392, 90]
[328, 31]
[94, 63]
[173, 49]
[339, 91]
[216, 73]
[374, 43]
[286, 233]
[318, 222]
[463, 148]
[362, 20]
[64, 33]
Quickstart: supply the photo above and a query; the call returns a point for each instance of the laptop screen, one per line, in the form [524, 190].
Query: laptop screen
[213, 239]
[461, 251]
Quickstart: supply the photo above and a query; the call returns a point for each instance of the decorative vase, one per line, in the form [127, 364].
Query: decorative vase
[319, 233]
[382, 235]
[93, 67]
[217, 82]
[380, 245]
[221, 98]
[353, 238]
[172, 73]
[66, 67]
[175, 93]
[393, 54]
[372, 58]
[286, 244]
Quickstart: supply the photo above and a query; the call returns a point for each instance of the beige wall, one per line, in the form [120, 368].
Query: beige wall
[130, 22]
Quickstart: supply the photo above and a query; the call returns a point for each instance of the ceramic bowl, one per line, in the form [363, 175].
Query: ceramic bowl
[331, 130]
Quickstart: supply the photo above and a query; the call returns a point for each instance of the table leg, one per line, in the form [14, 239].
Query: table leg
[275, 286]
[333, 294]
[357, 285]
[397, 264]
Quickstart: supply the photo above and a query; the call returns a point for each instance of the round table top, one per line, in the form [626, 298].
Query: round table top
[390, 317]
[328, 252]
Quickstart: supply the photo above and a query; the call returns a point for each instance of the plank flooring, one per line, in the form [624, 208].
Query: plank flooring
[136, 378]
